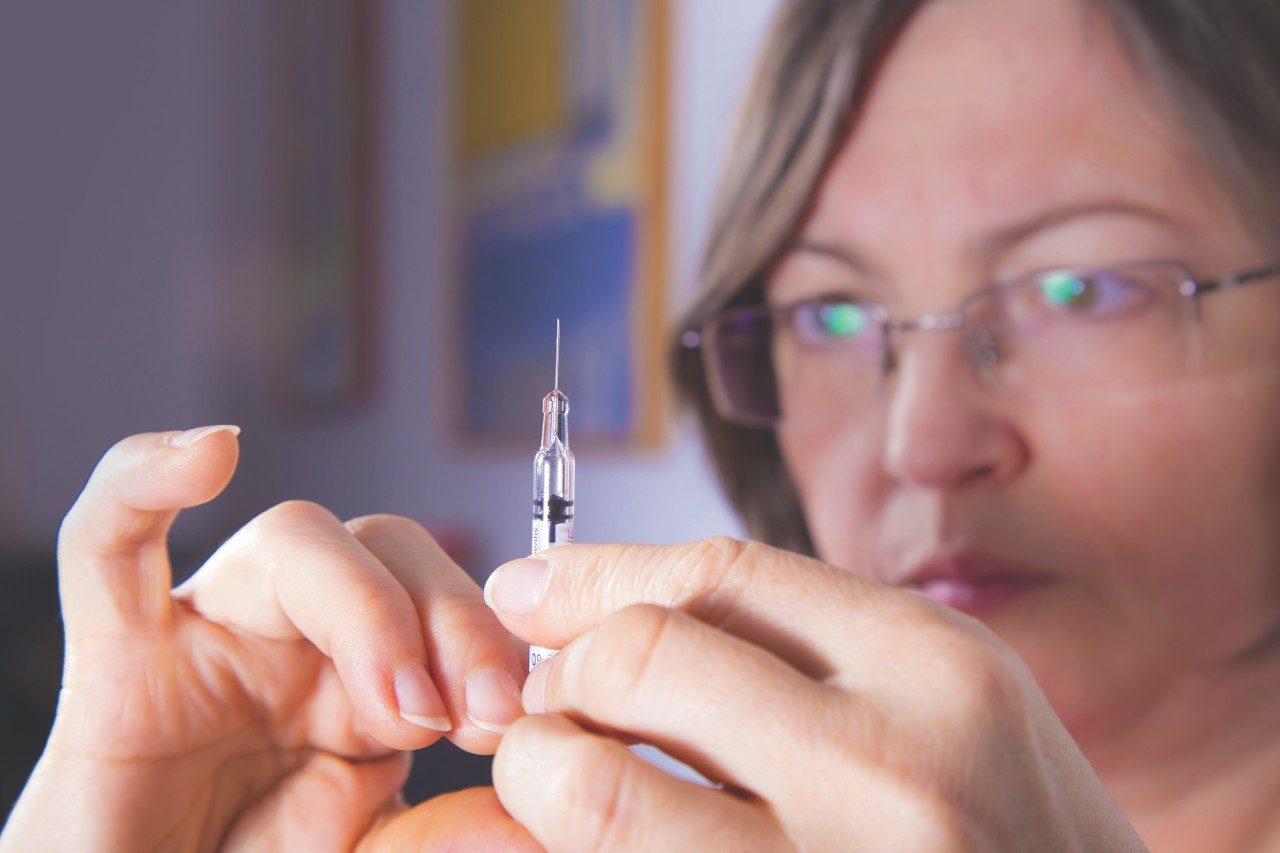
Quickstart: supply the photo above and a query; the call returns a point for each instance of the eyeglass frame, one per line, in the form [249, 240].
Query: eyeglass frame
[1190, 288]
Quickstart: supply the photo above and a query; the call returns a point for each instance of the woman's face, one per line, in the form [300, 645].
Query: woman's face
[1004, 137]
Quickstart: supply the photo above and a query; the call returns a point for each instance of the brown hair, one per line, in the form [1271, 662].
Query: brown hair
[1218, 63]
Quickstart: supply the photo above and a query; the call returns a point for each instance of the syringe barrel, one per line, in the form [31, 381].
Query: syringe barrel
[552, 487]
[552, 497]
[552, 511]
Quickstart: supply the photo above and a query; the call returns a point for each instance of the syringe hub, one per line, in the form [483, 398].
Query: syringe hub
[555, 419]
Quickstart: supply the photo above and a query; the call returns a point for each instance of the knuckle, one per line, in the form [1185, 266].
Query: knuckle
[333, 777]
[369, 601]
[918, 815]
[295, 514]
[518, 751]
[129, 446]
[385, 527]
[596, 787]
[713, 560]
[865, 733]
[365, 622]
[69, 530]
[380, 603]
[463, 615]
[289, 523]
[723, 550]
[719, 570]
[931, 823]
[79, 526]
[124, 447]
[979, 685]
[625, 652]
[401, 539]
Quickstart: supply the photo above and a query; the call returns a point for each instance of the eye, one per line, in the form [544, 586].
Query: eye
[830, 321]
[1096, 293]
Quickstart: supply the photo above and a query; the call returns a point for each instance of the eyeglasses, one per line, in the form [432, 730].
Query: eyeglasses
[1063, 331]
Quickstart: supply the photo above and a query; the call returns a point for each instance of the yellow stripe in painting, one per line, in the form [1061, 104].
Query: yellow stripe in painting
[512, 75]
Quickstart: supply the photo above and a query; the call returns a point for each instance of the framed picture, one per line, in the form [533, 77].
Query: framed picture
[561, 133]
[322, 96]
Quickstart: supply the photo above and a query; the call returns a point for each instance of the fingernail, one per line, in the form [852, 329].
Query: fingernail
[419, 701]
[191, 436]
[516, 588]
[493, 700]
[535, 689]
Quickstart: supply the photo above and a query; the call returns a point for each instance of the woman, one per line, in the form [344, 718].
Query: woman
[988, 355]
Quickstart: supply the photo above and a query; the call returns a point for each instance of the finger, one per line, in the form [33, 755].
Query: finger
[462, 821]
[347, 794]
[575, 790]
[749, 589]
[697, 693]
[473, 660]
[113, 564]
[295, 572]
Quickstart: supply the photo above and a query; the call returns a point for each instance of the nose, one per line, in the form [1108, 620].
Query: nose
[943, 430]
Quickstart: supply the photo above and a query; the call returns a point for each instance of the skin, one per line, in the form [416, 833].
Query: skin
[881, 720]
[255, 705]
[1155, 509]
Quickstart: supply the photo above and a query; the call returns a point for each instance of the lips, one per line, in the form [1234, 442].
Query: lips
[974, 583]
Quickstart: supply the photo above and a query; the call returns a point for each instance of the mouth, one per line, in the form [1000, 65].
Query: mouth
[974, 584]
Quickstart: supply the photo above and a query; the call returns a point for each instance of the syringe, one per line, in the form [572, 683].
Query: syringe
[552, 480]
[553, 525]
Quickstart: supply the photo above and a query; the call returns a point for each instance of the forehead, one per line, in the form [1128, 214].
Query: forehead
[986, 111]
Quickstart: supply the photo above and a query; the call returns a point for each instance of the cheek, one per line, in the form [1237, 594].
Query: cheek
[1162, 508]
[1171, 500]
[834, 468]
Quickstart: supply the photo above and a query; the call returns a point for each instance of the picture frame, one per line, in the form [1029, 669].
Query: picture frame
[323, 117]
[561, 152]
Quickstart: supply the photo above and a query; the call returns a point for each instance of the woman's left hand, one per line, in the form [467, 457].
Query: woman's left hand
[838, 712]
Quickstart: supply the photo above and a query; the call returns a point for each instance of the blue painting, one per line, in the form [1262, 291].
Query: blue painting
[558, 128]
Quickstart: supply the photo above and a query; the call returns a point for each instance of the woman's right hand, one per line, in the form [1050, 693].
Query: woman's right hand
[271, 699]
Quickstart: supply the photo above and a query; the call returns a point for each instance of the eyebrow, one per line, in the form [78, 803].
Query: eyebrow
[1005, 238]
[841, 254]
[1002, 239]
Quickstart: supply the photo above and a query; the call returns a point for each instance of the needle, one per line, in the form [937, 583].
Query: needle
[557, 386]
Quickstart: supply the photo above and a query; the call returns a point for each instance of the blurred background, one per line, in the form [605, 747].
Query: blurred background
[348, 227]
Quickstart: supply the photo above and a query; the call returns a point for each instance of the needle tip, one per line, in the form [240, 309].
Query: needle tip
[557, 384]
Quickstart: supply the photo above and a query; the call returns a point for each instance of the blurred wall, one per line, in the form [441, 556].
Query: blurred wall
[136, 269]
[106, 240]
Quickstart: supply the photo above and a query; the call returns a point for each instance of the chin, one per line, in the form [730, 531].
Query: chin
[1088, 677]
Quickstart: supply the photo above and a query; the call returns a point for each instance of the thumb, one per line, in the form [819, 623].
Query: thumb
[113, 563]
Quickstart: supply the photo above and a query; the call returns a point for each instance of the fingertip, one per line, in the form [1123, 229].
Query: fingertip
[194, 467]
[188, 438]
[534, 694]
[419, 701]
[488, 588]
[516, 588]
[122, 517]
[440, 724]
[493, 699]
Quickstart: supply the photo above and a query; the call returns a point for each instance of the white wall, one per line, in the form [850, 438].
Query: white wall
[106, 237]
[150, 310]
